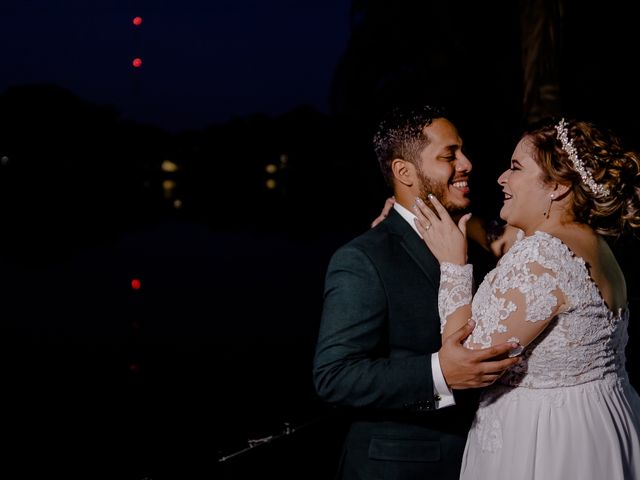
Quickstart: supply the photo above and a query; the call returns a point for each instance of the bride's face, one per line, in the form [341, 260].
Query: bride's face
[525, 195]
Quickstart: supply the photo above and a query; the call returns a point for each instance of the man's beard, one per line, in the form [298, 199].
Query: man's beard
[439, 189]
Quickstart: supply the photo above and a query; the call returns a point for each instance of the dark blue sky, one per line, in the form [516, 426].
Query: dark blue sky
[204, 61]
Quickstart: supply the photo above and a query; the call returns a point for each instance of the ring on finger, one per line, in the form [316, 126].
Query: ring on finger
[428, 226]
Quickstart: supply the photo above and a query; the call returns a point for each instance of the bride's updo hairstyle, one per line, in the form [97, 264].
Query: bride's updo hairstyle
[605, 177]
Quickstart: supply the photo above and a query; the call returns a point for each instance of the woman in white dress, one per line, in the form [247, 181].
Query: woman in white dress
[567, 411]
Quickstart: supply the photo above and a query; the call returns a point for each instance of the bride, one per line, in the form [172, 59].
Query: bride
[568, 409]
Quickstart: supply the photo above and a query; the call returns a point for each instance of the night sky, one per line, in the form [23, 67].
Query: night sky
[203, 61]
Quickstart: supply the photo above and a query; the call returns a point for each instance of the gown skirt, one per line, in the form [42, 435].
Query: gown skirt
[587, 432]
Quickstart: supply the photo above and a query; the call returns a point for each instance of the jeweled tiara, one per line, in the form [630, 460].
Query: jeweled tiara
[567, 146]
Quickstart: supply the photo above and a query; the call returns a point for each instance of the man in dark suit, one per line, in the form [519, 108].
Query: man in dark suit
[379, 352]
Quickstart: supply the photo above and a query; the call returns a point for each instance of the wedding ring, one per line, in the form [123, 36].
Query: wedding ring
[428, 226]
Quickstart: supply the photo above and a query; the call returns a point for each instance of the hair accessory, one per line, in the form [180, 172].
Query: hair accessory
[567, 146]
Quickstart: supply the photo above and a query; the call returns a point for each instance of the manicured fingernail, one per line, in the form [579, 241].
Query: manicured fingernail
[516, 350]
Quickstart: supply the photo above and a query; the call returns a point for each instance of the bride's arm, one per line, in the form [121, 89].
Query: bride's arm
[454, 296]
[447, 241]
[388, 205]
[524, 297]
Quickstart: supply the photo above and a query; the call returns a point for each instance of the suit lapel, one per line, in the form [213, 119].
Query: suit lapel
[415, 247]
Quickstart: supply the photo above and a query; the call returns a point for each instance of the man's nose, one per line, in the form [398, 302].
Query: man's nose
[463, 164]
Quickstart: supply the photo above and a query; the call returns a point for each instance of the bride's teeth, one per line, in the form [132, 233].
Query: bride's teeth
[459, 184]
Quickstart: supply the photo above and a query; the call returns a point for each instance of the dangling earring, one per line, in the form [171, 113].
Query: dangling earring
[548, 210]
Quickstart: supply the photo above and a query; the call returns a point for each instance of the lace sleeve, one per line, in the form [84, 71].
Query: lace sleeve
[456, 284]
[518, 302]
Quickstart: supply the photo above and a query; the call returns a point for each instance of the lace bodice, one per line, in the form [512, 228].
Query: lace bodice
[539, 284]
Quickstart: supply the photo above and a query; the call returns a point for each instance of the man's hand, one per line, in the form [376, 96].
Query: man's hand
[463, 368]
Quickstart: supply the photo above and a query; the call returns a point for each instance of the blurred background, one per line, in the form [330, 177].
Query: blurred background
[174, 177]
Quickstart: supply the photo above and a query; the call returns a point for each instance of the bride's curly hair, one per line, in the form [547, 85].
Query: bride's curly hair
[610, 165]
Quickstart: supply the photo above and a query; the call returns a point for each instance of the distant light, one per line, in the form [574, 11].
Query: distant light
[136, 284]
[167, 187]
[4, 160]
[137, 62]
[177, 203]
[137, 21]
[284, 158]
[168, 166]
[271, 168]
[271, 184]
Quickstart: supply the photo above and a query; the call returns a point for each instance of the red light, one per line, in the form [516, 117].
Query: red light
[137, 62]
[137, 21]
[136, 284]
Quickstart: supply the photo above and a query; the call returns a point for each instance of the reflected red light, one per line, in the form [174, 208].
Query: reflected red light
[137, 21]
[137, 62]
[136, 284]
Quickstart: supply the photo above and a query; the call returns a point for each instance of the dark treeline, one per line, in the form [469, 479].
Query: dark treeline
[75, 173]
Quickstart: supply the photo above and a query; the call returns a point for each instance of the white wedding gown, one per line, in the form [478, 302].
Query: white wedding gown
[568, 410]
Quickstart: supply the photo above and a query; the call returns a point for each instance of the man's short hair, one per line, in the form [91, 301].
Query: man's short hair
[400, 135]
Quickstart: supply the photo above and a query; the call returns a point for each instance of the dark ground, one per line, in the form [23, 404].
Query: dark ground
[102, 381]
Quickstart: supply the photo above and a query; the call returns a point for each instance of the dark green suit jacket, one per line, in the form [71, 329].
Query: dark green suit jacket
[379, 327]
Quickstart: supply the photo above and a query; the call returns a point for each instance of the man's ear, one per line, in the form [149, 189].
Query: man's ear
[403, 171]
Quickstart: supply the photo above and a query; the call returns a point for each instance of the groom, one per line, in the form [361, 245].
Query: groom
[379, 352]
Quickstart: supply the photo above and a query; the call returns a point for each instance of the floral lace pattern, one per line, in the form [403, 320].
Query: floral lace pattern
[585, 340]
[487, 429]
[456, 283]
[498, 293]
